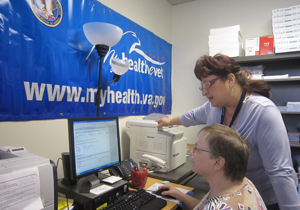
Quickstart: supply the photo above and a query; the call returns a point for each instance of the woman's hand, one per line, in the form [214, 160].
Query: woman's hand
[163, 122]
[189, 201]
[172, 191]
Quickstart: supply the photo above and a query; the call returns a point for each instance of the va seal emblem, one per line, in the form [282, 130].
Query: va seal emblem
[49, 12]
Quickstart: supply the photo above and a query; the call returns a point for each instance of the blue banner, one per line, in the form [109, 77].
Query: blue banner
[46, 71]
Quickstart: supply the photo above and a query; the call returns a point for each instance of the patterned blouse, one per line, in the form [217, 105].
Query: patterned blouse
[247, 198]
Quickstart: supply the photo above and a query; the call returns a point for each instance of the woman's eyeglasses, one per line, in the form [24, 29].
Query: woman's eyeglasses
[195, 148]
[207, 84]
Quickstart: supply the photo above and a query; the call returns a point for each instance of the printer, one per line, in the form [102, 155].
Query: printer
[163, 148]
[28, 181]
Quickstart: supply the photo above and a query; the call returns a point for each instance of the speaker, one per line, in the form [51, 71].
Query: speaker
[67, 170]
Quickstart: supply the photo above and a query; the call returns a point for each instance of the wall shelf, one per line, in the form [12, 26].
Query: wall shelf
[292, 78]
[295, 144]
[271, 57]
[283, 89]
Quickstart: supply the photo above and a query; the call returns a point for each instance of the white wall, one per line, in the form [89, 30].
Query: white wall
[186, 27]
[190, 29]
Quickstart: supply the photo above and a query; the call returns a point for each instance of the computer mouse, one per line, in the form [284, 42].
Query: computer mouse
[158, 192]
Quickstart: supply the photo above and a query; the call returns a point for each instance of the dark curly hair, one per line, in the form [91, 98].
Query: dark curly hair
[222, 65]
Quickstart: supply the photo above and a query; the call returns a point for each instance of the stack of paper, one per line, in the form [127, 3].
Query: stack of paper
[293, 106]
[286, 29]
[227, 41]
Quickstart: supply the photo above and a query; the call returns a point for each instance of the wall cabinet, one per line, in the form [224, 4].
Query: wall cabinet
[283, 89]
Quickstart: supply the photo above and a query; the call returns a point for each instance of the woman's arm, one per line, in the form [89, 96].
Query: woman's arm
[168, 122]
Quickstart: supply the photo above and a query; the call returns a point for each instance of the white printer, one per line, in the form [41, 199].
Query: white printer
[163, 147]
[27, 181]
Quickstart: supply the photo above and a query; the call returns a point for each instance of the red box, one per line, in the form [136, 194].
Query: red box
[266, 45]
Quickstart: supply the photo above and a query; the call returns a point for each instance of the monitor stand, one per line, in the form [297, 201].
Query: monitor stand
[90, 182]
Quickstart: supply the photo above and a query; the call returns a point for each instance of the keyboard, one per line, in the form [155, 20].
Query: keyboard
[137, 200]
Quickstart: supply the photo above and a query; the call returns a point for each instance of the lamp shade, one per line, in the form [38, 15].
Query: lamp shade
[102, 33]
[119, 66]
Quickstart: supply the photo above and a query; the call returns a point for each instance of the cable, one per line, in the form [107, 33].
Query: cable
[57, 162]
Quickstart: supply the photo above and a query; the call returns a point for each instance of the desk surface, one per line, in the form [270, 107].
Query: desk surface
[177, 175]
[170, 205]
[150, 181]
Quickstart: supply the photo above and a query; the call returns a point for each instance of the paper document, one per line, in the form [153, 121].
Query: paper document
[101, 189]
[20, 190]
[111, 179]
[154, 116]
[276, 76]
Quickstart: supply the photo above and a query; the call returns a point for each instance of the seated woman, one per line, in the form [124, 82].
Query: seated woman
[221, 155]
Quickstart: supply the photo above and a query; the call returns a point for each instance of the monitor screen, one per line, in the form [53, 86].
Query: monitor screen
[94, 145]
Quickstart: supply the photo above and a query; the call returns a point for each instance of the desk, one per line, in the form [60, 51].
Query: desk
[177, 175]
[91, 201]
[170, 205]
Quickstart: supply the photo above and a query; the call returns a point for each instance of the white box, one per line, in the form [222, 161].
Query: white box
[225, 39]
[252, 46]
[282, 42]
[286, 14]
[286, 31]
[230, 53]
[235, 35]
[286, 36]
[215, 31]
[227, 47]
[285, 19]
[287, 48]
[292, 24]
[285, 9]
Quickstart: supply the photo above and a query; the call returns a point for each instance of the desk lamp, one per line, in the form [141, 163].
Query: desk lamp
[103, 36]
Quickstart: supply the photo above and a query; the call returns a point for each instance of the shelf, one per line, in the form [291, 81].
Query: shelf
[282, 72]
[292, 78]
[283, 110]
[271, 57]
[289, 112]
[294, 144]
[294, 138]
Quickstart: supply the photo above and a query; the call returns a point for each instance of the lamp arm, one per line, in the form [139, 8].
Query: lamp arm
[116, 78]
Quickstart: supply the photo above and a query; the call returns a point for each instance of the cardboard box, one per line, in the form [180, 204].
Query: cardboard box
[252, 46]
[266, 45]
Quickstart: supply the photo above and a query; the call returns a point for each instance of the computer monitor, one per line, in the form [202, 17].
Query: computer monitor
[93, 145]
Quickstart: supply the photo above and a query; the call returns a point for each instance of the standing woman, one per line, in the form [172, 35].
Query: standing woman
[244, 105]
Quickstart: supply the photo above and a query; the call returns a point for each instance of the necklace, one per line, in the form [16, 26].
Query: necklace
[237, 109]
